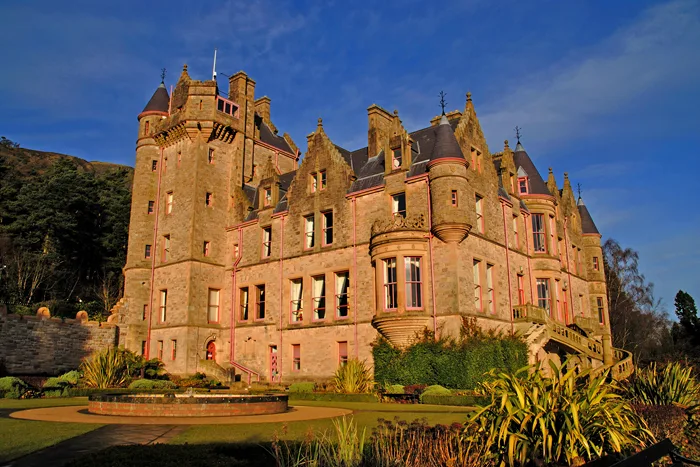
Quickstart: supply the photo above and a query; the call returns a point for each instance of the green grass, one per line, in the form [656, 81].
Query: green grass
[365, 414]
[20, 437]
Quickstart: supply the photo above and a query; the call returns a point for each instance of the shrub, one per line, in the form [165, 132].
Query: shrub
[151, 384]
[566, 418]
[105, 369]
[435, 390]
[671, 385]
[394, 389]
[664, 421]
[414, 388]
[450, 363]
[464, 400]
[12, 388]
[332, 397]
[72, 377]
[302, 387]
[354, 377]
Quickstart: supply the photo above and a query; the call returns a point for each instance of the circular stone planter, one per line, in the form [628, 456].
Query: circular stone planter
[187, 405]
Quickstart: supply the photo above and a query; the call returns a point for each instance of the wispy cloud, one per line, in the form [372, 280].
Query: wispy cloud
[659, 48]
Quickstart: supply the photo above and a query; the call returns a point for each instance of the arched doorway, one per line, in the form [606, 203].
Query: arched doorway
[211, 350]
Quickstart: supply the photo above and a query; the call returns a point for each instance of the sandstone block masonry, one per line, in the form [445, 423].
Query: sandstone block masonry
[32, 345]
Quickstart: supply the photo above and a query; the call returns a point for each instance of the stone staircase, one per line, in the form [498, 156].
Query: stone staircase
[537, 328]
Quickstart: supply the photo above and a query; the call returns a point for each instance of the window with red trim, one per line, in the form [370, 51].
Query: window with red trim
[313, 182]
[309, 240]
[144, 313]
[163, 315]
[396, 158]
[538, 233]
[342, 288]
[266, 242]
[213, 306]
[259, 302]
[398, 205]
[267, 196]
[151, 207]
[147, 128]
[480, 213]
[154, 165]
[319, 297]
[478, 301]
[169, 202]
[552, 233]
[414, 282]
[523, 185]
[147, 253]
[342, 353]
[296, 357]
[516, 236]
[166, 248]
[454, 199]
[296, 302]
[323, 182]
[327, 228]
[160, 350]
[600, 304]
[490, 289]
[173, 349]
[544, 298]
[243, 303]
[596, 266]
[390, 284]
[521, 289]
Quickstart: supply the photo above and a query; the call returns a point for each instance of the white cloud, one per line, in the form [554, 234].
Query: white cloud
[659, 49]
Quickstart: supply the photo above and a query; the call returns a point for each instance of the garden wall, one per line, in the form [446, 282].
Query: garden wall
[36, 345]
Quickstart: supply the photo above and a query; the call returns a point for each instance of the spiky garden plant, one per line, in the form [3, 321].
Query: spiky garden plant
[105, 369]
[558, 420]
[673, 384]
[354, 377]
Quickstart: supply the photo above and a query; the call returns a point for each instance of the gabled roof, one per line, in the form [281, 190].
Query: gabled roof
[267, 136]
[371, 174]
[523, 161]
[587, 224]
[160, 101]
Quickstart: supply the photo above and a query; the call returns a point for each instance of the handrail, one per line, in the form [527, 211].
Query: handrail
[247, 370]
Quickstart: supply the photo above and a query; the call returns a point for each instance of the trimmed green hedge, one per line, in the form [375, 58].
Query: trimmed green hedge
[84, 392]
[435, 390]
[12, 388]
[394, 389]
[152, 384]
[452, 364]
[332, 397]
[467, 401]
[302, 387]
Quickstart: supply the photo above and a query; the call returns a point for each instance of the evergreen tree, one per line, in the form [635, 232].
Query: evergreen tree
[688, 329]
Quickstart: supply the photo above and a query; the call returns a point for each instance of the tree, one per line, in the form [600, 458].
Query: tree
[7, 143]
[687, 331]
[638, 321]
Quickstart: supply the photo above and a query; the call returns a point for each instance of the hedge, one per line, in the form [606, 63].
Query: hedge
[12, 388]
[467, 401]
[435, 390]
[302, 387]
[449, 363]
[152, 384]
[332, 397]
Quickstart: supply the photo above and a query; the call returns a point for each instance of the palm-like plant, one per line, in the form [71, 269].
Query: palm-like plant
[105, 369]
[674, 384]
[565, 418]
[354, 377]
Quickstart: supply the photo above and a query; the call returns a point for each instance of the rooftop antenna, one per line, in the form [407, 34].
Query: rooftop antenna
[443, 102]
[517, 133]
[213, 70]
[162, 75]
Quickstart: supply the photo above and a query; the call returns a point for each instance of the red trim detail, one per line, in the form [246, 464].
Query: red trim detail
[448, 160]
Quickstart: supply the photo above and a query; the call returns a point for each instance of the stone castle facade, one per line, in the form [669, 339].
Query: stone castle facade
[244, 256]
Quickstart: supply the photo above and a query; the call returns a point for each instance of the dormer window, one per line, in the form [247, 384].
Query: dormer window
[396, 158]
[523, 185]
[318, 181]
[322, 179]
[267, 196]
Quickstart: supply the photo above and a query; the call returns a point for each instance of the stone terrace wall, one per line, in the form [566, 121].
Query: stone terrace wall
[33, 345]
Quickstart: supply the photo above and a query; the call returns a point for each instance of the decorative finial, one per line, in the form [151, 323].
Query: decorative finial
[517, 133]
[566, 175]
[505, 144]
[162, 75]
[396, 112]
[443, 102]
[320, 122]
[578, 187]
[550, 170]
[184, 68]
[469, 96]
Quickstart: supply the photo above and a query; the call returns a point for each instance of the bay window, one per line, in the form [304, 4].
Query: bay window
[390, 284]
[538, 234]
[544, 299]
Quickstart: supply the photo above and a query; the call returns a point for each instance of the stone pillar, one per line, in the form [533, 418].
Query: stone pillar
[607, 349]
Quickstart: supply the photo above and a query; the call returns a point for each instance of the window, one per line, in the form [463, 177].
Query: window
[151, 207]
[147, 128]
[173, 349]
[244, 303]
[454, 199]
[209, 199]
[323, 181]
[309, 232]
[296, 302]
[565, 306]
[319, 297]
[390, 284]
[163, 305]
[414, 292]
[260, 302]
[154, 165]
[398, 204]
[160, 350]
[313, 182]
[521, 289]
[396, 158]
[552, 238]
[213, 306]
[166, 247]
[236, 251]
[480, 213]
[143, 347]
[169, 202]
[538, 238]
[205, 248]
[226, 106]
[477, 285]
[557, 294]
[342, 286]
[327, 228]
[574, 266]
[490, 289]
[596, 265]
[266, 242]
[296, 357]
[147, 253]
[210, 158]
[516, 236]
[144, 313]
[601, 309]
[523, 185]
[476, 159]
[267, 196]
[544, 299]
[342, 353]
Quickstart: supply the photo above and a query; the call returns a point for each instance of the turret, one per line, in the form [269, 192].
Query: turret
[451, 198]
[156, 110]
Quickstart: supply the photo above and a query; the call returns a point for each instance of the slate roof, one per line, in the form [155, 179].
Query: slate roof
[267, 136]
[587, 224]
[160, 101]
[446, 144]
[523, 161]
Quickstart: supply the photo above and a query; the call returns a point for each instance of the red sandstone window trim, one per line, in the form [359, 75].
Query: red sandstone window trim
[213, 298]
[596, 265]
[260, 302]
[479, 208]
[478, 297]
[323, 181]
[163, 309]
[313, 182]
[244, 302]
[296, 357]
[342, 295]
[169, 203]
[227, 106]
[521, 289]
[160, 350]
[523, 185]
[544, 295]
[414, 283]
[600, 305]
[539, 239]
[266, 250]
[318, 300]
[147, 128]
[342, 353]
[516, 235]
[173, 349]
[309, 235]
[391, 284]
[296, 301]
[552, 233]
[327, 228]
[267, 196]
[491, 288]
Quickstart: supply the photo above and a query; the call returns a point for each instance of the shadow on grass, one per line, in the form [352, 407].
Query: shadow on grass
[171, 455]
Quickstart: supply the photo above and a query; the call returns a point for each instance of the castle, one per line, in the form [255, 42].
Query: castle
[245, 257]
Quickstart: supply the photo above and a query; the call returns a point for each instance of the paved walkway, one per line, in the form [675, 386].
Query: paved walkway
[101, 438]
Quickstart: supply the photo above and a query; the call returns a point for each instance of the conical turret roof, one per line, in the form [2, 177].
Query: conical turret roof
[587, 224]
[446, 144]
[527, 168]
[160, 101]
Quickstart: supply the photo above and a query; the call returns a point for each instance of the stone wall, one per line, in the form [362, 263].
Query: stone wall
[33, 345]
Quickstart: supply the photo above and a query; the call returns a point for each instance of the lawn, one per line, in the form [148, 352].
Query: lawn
[20, 437]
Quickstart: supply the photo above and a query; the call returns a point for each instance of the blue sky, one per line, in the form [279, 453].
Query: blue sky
[607, 91]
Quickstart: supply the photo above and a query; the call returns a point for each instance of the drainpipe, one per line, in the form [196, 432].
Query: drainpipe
[529, 266]
[232, 339]
[432, 271]
[153, 256]
[354, 260]
[281, 350]
[510, 296]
